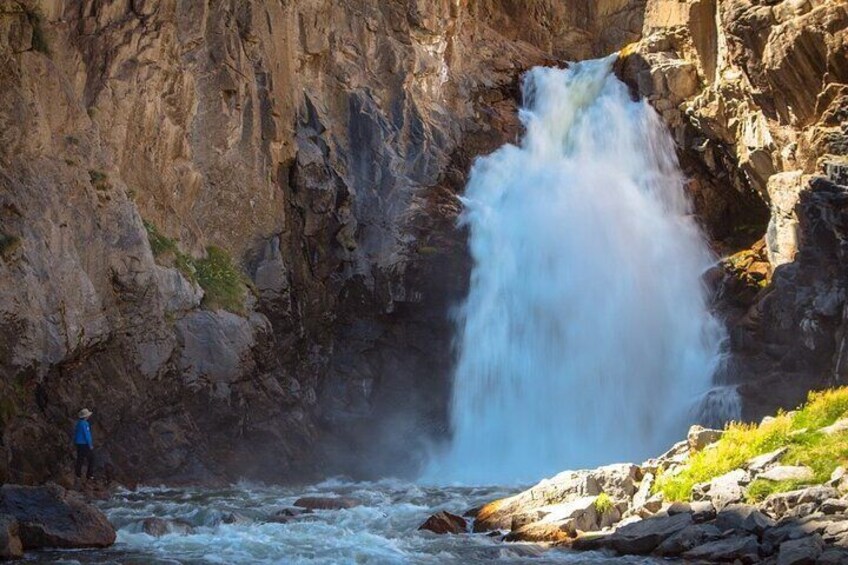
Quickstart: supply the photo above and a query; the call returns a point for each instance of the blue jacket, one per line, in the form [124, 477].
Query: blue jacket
[82, 433]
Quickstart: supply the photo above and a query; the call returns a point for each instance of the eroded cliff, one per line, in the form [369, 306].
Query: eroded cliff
[229, 227]
[756, 95]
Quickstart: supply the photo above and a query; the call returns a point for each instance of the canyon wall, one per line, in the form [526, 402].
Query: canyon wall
[228, 227]
[756, 95]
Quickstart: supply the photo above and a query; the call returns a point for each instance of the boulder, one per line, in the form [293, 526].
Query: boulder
[538, 532]
[800, 551]
[50, 516]
[726, 489]
[743, 517]
[783, 502]
[10, 542]
[565, 487]
[699, 437]
[688, 538]
[326, 502]
[158, 527]
[445, 523]
[644, 536]
[742, 548]
[643, 493]
[787, 473]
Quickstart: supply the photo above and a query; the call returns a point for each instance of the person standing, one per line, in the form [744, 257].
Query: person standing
[84, 444]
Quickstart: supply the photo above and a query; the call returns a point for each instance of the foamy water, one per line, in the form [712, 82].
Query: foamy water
[586, 337]
[381, 531]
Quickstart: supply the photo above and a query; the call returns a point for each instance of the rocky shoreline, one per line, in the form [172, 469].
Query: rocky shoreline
[620, 509]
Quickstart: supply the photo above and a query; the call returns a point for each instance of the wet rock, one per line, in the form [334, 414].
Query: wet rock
[538, 532]
[158, 527]
[787, 473]
[743, 517]
[688, 538]
[445, 523]
[699, 437]
[50, 516]
[744, 548]
[327, 503]
[800, 551]
[10, 541]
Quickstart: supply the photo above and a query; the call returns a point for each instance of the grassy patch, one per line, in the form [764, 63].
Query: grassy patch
[603, 503]
[222, 282]
[798, 431]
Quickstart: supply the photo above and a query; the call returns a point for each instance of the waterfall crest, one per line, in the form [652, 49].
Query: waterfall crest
[586, 337]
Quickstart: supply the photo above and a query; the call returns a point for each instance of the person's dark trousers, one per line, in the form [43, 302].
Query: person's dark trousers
[85, 456]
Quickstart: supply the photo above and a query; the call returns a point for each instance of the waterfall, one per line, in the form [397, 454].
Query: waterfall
[585, 338]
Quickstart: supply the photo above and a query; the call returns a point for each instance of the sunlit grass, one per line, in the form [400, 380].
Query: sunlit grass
[797, 431]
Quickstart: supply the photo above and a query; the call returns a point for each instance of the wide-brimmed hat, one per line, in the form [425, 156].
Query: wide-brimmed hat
[84, 413]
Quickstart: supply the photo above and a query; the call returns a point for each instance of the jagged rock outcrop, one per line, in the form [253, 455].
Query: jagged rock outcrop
[320, 145]
[756, 94]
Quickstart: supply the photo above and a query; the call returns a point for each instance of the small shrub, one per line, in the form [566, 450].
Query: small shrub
[603, 503]
[760, 489]
[223, 284]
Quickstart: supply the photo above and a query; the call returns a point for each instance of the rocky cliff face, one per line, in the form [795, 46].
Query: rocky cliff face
[229, 227]
[756, 94]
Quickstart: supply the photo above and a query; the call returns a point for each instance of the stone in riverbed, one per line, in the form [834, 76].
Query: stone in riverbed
[327, 502]
[50, 516]
[10, 542]
[742, 548]
[158, 527]
[445, 523]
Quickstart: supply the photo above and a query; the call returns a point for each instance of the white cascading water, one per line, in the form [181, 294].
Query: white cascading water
[585, 338]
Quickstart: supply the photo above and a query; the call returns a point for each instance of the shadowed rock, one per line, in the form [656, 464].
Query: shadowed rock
[10, 542]
[50, 516]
